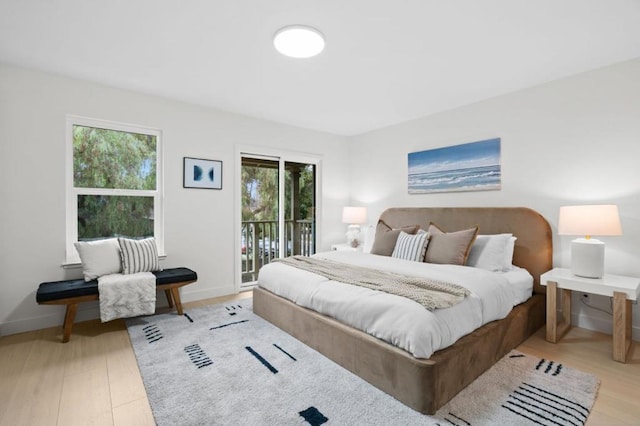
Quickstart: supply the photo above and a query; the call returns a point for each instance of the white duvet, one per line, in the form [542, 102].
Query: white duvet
[394, 319]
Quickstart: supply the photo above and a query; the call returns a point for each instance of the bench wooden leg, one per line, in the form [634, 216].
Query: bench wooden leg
[68, 321]
[169, 297]
[175, 292]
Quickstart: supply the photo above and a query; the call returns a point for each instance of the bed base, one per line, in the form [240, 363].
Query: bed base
[422, 384]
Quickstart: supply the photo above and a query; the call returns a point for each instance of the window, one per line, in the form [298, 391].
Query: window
[114, 182]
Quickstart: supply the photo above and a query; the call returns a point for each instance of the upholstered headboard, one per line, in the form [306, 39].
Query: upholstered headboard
[533, 249]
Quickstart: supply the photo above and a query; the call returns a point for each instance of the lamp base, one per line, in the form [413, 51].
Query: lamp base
[587, 258]
[353, 232]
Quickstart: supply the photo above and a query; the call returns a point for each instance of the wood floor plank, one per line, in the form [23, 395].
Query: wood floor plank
[84, 351]
[35, 400]
[125, 382]
[134, 413]
[85, 399]
[13, 351]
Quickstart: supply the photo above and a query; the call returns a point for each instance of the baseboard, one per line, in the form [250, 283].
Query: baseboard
[91, 310]
[602, 325]
[34, 323]
[187, 295]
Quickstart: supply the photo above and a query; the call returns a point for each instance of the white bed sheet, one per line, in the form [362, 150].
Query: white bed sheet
[394, 319]
[521, 282]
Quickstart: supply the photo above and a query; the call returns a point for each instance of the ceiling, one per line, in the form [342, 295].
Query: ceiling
[385, 61]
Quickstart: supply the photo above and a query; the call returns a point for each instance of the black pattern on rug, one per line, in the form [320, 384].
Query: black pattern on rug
[313, 416]
[262, 360]
[228, 324]
[197, 356]
[152, 333]
[549, 369]
[232, 309]
[543, 407]
[452, 419]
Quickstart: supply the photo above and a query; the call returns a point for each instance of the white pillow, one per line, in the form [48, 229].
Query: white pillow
[369, 233]
[411, 246]
[508, 256]
[139, 255]
[100, 257]
[491, 252]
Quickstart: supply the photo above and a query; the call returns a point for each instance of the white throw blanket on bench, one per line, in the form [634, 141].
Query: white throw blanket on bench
[123, 296]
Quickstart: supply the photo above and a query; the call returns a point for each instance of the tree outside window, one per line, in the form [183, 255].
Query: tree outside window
[115, 185]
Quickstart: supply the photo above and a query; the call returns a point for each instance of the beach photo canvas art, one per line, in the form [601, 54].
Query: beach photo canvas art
[473, 166]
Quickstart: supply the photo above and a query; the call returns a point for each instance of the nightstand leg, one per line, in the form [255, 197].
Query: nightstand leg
[556, 328]
[621, 326]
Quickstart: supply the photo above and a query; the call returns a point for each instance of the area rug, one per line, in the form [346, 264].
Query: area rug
[224, 365]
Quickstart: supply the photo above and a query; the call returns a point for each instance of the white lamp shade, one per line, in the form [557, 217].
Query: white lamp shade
[354, 215]
[589, 220]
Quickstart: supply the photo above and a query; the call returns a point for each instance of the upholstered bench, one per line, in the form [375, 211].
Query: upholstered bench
[73, 292]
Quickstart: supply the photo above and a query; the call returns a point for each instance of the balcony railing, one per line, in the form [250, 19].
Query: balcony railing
[260, 243]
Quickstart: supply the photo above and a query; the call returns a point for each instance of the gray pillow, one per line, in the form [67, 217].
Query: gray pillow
[450, 248]
[139, 255]
[411, 247]
[386, 238]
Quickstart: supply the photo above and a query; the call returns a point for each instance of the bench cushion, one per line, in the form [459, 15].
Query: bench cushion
[56, 290]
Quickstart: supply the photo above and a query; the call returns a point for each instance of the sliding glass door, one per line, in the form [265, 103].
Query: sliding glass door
[277, 211]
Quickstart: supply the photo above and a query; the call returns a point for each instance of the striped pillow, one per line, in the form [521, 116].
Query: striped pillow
[411, 247]
[139, 255]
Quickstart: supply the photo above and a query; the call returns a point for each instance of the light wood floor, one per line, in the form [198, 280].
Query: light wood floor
[94, 379]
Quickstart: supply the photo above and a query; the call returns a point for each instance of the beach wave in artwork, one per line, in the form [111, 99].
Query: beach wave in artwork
[469, 179]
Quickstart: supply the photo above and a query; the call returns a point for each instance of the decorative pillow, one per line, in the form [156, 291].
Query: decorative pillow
[139, 255]
[490, 252]
[99, 257]
[369, 235]
[449, 247]
[411, 247]
[508, 258]
[386, 237]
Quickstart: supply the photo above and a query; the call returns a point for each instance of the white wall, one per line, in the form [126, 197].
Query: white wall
[199, 224]
[572, 141]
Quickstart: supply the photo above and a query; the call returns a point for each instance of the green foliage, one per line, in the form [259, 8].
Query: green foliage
[104, 216]
[113, 159]
[260, 193]
[109, 159]
[305, 195]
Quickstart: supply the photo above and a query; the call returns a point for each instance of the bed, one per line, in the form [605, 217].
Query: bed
[426, 384]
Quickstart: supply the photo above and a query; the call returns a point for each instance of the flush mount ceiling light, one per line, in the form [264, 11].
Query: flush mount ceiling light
[298, 41]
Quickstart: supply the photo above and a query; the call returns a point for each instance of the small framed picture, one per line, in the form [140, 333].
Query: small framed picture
[199, 173]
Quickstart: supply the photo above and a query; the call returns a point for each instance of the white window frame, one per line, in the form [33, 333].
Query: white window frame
[72, 193]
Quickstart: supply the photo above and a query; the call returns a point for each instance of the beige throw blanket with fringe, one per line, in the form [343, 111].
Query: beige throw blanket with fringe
[432, 294]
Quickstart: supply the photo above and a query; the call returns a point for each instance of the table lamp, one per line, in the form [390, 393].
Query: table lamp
[354, 216]
[587, 254]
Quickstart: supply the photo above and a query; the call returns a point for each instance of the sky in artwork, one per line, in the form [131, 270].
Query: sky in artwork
[465, 156]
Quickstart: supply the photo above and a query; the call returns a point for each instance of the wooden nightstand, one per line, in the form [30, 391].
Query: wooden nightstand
[623, 289]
